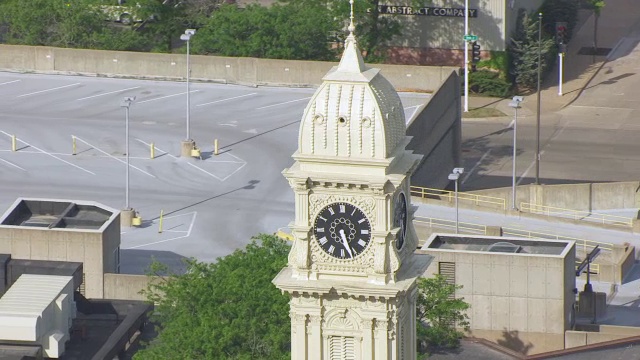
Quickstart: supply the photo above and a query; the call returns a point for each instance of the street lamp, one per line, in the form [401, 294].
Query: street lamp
[466, 56]
[538, 112]
[186, 37]
[126, 103]
[516, 105]
[455, 175]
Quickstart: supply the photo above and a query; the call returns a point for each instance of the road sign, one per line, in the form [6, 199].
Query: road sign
[470, 37]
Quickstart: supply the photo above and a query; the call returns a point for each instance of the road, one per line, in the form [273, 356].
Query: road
[211, 206]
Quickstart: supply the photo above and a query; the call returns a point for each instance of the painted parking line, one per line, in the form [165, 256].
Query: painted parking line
[107, 93]
[244, 163]
[68, 154]
[283, 103]
[50, 154]
[187, 233]
[175, 157]
[47, 90]
[10, 82]
[113, 157]
[227, 99]
[12, 164]
[167, 96]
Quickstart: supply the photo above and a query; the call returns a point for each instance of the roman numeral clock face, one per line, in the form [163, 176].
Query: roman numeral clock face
[342, 230]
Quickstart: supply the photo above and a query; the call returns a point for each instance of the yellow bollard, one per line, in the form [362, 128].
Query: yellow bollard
[153, 150]
[160, 226]
[215, 147]
[13, 143]
[74, 145]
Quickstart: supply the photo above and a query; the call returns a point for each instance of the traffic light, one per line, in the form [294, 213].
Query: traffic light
[561, 32]
[475, 52]
[475, 55]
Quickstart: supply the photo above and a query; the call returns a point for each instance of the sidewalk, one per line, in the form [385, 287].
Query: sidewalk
[579, 70]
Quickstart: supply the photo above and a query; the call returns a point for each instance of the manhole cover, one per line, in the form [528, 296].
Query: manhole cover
[591, 51]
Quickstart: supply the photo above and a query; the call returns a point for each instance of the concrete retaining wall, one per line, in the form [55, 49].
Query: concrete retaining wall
[606, 333]
[437, 131]
[125, 286]
[584, 197]
[245, 71]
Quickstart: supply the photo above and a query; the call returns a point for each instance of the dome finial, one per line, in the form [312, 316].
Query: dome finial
[351, 27]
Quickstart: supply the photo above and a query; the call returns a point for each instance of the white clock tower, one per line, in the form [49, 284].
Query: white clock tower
[352, 270]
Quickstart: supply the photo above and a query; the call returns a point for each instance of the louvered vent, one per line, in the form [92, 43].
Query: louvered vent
[342, 348]
[448, 271]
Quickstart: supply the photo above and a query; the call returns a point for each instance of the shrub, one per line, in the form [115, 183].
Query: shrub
[489, 83]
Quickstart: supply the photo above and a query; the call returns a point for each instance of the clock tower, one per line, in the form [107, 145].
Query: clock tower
[352, 270]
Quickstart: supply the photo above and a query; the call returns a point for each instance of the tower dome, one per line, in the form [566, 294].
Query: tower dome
[355, 114]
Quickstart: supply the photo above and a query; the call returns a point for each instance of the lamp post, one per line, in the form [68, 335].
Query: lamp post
[515, 104]
[538, 112]
[186, 37]
[466, 56]
[455, 175]
[126, 103]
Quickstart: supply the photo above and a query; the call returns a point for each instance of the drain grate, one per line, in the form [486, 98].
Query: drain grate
[591, 51]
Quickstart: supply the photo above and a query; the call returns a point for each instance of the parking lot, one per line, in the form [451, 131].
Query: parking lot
[211, 205]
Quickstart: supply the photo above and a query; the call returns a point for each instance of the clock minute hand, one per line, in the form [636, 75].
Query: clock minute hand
[345, 243]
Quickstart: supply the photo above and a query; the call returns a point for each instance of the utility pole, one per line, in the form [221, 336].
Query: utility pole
[538, 111]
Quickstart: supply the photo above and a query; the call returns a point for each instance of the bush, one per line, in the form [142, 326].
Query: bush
[489, 83]
[499, 61]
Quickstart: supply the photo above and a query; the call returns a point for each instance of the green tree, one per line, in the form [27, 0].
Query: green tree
[440, 315]
[523, 50]
[71, 23]
[559, 11]
[225, 310]
[596, 6]
[290, 31]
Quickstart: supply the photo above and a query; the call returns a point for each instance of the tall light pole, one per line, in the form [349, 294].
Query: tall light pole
[466, 56]
[126, 103]
[186, 37]
[516, 105]
[538, 112]
[455, 175]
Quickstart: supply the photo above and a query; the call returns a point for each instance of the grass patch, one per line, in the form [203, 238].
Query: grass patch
[483, 112]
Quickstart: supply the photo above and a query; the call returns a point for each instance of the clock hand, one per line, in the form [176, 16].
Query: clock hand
[345, 243]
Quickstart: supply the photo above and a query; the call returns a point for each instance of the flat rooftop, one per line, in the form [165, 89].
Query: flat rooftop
[494, 244]
[57, 214]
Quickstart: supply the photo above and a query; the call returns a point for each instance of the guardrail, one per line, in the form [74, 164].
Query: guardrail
[586, 245]
[576, 214]
[462, 196]
[462, 226]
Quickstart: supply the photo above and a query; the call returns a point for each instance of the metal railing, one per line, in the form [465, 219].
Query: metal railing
[594, 267]
[576, 214]
[462, 226]
[585, 245]
[462, 196]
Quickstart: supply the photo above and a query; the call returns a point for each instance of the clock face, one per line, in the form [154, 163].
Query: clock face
[400, 219]
[342, 230]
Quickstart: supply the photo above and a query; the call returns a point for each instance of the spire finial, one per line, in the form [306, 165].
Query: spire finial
[351, 27]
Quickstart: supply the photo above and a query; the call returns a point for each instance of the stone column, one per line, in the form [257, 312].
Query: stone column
[367, 339]
[298, 335]
[315, 336]
[381, 339]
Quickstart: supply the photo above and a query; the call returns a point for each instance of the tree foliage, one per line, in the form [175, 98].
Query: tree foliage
[70, 23]
[291, 31]
[225, 310]
[559, 11]
[439, 315]
[523, 49]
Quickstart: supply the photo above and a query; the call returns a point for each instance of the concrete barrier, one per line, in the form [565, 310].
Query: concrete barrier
[244, 71]
[584, 197]
[125, 286]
